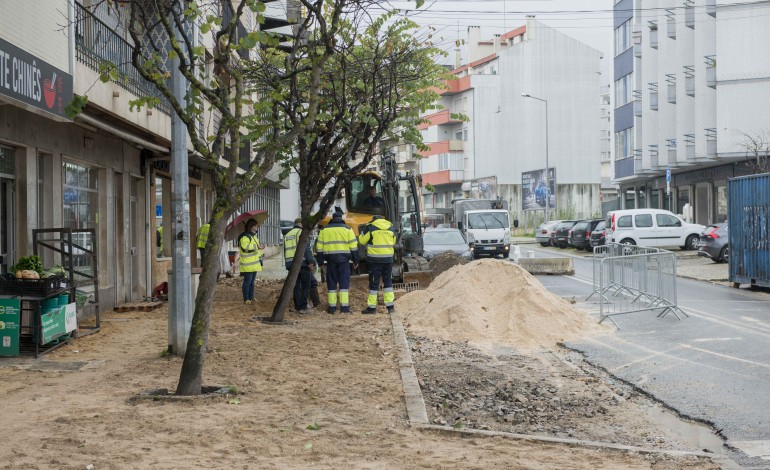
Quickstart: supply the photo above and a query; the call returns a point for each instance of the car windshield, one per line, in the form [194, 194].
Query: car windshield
[488, 220]
[452, 237]
[600, 226]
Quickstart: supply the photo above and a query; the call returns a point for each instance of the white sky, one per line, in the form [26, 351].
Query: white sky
[588, 21]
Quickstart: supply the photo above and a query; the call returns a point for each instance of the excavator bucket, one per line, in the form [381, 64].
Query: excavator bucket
[412, 281]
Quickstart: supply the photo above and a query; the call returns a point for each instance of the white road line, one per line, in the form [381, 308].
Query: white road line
[725, 356]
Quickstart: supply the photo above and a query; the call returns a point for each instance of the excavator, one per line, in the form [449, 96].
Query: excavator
[395, 196]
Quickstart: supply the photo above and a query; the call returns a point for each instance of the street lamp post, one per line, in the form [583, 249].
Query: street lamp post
[547, 176]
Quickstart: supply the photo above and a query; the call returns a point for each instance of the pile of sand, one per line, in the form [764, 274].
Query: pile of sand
[493, 302]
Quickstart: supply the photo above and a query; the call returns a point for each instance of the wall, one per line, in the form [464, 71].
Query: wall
[36, 27]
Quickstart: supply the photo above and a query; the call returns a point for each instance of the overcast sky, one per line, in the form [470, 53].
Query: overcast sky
[588, 21]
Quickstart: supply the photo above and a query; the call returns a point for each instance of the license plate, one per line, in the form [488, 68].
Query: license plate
[490, 248]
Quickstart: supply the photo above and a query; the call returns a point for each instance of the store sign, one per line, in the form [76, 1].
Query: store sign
[58, 321]
[29, 80]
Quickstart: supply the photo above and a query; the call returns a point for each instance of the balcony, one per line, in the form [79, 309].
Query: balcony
[671, 88]
[689, 80]
[711, 7]
[671, 145]
[653, 35]
[455, 85]
[689, 14]
[444, 146]
[671, 24]
[689, 146]
[653, 87]
[638, 103]
[97, 43]
[711, 143]
[637, 41]
[441, 118]
[442, 177]
[711, 71]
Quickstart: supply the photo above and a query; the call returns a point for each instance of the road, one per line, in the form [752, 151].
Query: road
[713, 366]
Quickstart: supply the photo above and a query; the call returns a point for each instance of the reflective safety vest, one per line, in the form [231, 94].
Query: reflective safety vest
[337, 243]
[160, 240]
[290, 244]
[379, 236]
[248, 245]
[202, 236]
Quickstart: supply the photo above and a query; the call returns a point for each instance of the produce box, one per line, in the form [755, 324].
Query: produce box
[9, 284]
[9, 327]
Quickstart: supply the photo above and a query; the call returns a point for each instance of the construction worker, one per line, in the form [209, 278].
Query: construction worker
[337, 246]
[159, 241]
[250, 254]
[302, 286]
[201, 238]
[379, 236]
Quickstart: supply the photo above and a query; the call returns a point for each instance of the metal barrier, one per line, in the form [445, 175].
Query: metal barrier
[629, 279]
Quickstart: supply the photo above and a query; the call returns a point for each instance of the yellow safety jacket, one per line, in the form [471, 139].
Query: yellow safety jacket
[379, 236]
[202, 236]
[159, 238]
[337, 243]
[248, 245]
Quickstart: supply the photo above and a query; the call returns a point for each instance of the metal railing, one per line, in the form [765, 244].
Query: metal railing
[96, 43]
[630, 279]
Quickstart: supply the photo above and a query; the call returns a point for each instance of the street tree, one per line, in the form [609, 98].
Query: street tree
[380, 80]
[222, 111]
[757, 149]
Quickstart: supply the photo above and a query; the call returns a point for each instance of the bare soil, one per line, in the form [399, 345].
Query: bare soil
[323, 391]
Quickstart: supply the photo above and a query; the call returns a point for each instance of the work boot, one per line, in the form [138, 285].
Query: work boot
[332, 311]
[369, 311]
[345, 310]
[390, 309]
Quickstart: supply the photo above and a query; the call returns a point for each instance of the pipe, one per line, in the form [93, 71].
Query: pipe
[142, 142]
[71, 40]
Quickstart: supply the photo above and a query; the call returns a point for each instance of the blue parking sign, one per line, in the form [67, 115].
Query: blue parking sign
[668, 175]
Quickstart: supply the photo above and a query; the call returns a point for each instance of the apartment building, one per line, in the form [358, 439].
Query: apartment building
[692, 83]
[502, 146]
[108, 169]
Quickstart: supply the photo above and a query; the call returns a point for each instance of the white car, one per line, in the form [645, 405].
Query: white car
[653, 228]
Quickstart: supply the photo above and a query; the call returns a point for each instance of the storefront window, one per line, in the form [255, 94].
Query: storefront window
[721, 206]
[654, 200]
[80, 205]
[684, 198]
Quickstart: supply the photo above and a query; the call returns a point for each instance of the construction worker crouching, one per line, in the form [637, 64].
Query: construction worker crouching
[379, 237]
[337, 246]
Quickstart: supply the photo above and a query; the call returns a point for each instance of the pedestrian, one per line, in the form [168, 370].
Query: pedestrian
[379, 237]
[302, 286]
[250, 254]
[201, 238]
[337, 247]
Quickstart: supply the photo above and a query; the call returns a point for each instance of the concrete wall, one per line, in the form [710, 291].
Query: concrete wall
[36, 27]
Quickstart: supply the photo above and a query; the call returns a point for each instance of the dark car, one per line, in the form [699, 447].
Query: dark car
[598, 236]
[561, 233]
[713, 243]
[441, 240]
[286, 226]
[580, 234]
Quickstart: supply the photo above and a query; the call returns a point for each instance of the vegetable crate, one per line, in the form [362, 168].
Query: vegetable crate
[10, 285]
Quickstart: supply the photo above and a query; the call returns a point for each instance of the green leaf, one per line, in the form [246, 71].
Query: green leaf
[314, 427]
[76, 106]
[457, 424]
[234, 401]
[205, 28]
[309, 445]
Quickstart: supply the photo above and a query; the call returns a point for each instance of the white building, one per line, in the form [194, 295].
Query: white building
[692, 84]
[501, 149]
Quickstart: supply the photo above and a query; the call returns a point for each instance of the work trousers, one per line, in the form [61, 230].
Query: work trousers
[302, 288]
[248, 285]
[338, 279]
[377, 272]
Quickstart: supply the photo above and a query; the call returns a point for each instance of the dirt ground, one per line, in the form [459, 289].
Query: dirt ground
[321, 392]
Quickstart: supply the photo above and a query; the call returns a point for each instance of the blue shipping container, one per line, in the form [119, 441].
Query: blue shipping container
[749, 222]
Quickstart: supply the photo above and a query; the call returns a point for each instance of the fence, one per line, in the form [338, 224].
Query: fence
[629, 279]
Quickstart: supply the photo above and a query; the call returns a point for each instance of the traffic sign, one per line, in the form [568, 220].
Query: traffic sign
[668, 175]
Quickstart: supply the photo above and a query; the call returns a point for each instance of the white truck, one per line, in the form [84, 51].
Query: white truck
[485, 224]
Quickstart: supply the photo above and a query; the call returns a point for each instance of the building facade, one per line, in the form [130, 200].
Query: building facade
[488, 140]
[692, 85]
[108, 169]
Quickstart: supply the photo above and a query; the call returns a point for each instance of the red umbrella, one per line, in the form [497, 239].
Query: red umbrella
[238, 225]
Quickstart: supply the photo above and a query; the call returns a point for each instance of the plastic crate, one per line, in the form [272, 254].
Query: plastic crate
[10, 285]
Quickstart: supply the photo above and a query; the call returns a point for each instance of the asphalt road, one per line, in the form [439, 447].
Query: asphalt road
[713, 366]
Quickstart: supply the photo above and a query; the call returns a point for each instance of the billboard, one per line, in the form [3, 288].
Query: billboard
[481, 188]
[536, 191]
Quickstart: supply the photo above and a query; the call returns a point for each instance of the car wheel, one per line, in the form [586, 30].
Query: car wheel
[543, 244]
[692, 242]
[589, 249]
[724, 255]
[628, 241]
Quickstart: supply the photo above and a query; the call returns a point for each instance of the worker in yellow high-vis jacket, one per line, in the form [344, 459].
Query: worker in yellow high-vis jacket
[337, 247]
[201, 238]
[250, 254]
[379, 237]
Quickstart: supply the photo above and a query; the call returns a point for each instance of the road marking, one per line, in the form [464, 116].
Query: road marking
[757, 448]
[703, 340]
[725, 356]
[712, 318]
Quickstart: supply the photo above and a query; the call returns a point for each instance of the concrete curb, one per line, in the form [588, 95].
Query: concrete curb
[415, 405]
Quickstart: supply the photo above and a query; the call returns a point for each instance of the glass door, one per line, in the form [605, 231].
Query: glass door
[7, 224]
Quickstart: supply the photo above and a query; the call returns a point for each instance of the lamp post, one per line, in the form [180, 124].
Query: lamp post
[547, 176]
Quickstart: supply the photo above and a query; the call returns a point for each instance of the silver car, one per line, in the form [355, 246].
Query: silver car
[440, 240]
[543, 232]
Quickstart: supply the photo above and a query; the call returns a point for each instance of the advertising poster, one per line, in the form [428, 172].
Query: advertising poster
[537, 190]
[484, 188]
[9, 326]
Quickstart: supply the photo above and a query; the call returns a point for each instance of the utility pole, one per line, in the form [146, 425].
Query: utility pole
[180, 311]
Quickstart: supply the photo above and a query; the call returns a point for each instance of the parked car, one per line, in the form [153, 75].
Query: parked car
[440, 240]
[653, 228]
[580, 235]
[598, 236]
[543, 232]
[714, 243]
[561, 232]
[286, 226]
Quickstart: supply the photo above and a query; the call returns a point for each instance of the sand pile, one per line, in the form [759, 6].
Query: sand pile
[444, 261]
[492, 302]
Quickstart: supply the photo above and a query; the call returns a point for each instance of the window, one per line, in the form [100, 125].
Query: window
[465, 134]
[624, 222]
[624, 143]
[80, 205]
[624, 90]
[427, 201]
[643, 220]
[665, 220]
[623, 38]
[459, 135]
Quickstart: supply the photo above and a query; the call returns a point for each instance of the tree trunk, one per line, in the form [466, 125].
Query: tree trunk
[279, 311]
[191, 376]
